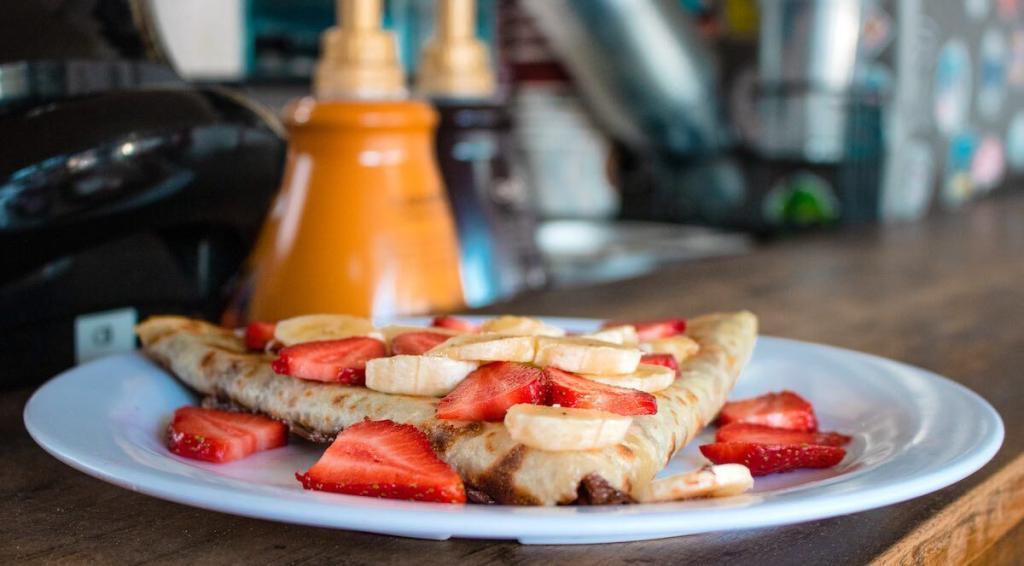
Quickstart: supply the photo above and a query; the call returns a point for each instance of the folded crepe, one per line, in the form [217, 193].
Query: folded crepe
[214, 362]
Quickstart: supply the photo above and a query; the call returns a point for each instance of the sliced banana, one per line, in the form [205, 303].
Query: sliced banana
[389, 332]
[487, 348]
[709, 481]
[416, 375]
[647, 377]
[624, 334]
[583, 355]
[682, 347]
[312, 327]
[561, 428]
[520, 326]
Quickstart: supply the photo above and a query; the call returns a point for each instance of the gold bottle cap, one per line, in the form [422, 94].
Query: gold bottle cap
[359, 59]
[455, 63]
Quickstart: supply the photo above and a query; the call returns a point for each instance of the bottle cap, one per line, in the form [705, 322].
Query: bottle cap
[455, 63]
[359, 59]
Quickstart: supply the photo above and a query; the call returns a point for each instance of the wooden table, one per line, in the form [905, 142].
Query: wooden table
[945, 294]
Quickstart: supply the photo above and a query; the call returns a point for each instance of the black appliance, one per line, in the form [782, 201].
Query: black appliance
[123, 190]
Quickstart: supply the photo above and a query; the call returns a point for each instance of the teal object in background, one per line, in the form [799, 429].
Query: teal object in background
[695, 6]
[283, 36]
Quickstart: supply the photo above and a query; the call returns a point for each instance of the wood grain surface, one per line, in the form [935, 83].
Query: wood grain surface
[945, 294]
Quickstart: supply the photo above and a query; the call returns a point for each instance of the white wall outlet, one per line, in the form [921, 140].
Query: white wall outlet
[104, 333]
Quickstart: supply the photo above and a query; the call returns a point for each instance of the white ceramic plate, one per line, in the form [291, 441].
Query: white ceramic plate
[914, 432]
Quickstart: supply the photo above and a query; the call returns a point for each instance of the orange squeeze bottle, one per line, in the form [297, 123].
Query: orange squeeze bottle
[361, 224]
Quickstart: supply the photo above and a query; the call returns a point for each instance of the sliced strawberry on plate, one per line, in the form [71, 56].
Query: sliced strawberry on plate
[338, 361]
[653, 329]
[384, 459]
[759, 434]
[258, 334]
[664, 360]
[488, 392]
[222, 436]
[416, 343]
[779, 410]
[763, 459]
[454, 323]
[570, 390]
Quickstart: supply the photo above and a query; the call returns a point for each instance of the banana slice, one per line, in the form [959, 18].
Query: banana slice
[312, 327]
[624, 334]
[682, 347]
[583, 355]
[520, 326]
[416, 375]
[647, 377]
[389, 332]
[487, 348]
[561, 429]
[709, 481]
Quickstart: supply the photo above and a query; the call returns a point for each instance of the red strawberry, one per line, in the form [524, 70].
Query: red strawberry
[758, 434]
[416, 343]
[779, 410]
[665, 360]
[340, 361]
[258, 333]
[488, 392]
[763, 459]
[221, 436]
[454, 323]
[384, 459]
[570, 390]
[654, 329]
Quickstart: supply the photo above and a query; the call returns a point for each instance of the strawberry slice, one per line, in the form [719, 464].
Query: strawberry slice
[258, 333]
[488, 392]
[416, 343]
[779, 410]
[454, 323]
[222, 436]
[337, 361]
[570, 390]
[759, 434]
[384, 459]
[664, 360]
[653, 329]
[763, 459]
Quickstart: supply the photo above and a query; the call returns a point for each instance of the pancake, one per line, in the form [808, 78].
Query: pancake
[214, 362]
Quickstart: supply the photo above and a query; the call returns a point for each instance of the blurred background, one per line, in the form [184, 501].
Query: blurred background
[575, 141]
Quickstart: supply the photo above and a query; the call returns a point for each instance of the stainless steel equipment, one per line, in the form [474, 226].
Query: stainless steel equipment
[807, 57]
[838, 111]
[643, 68]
